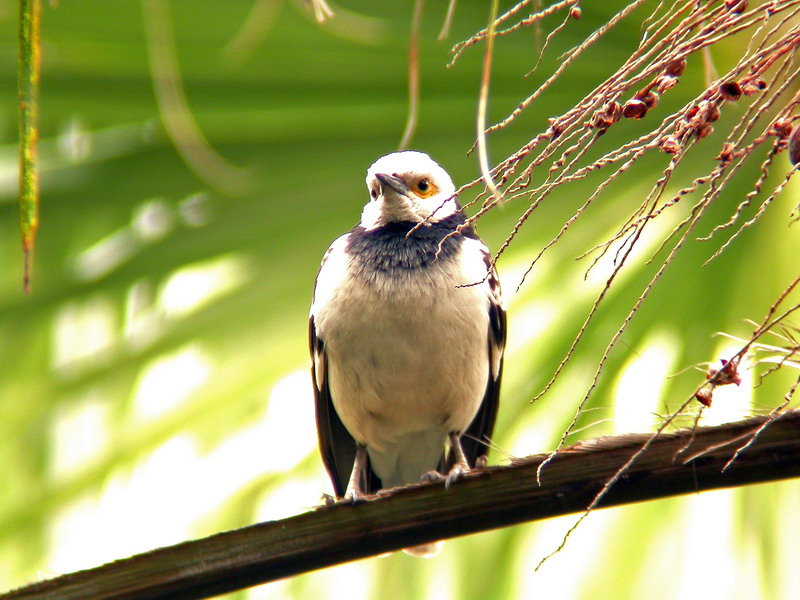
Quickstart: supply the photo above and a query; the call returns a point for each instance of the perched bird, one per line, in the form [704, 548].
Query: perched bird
[407, 332]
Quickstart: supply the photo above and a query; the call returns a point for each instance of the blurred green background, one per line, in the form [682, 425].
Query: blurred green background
[154, 385]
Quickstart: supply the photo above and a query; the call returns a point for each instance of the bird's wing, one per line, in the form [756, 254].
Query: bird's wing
[336, 445]
[475, 440]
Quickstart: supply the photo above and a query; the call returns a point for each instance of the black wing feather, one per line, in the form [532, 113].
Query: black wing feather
[475, 439]
[336, 445]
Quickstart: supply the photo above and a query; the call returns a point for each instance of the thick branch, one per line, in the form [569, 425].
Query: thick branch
[495, 497]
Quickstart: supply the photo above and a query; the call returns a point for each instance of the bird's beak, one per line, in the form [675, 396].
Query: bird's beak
[393, 183]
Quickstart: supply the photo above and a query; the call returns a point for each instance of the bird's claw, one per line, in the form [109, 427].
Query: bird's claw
[354, 496]
[432, 477]
[457, 472]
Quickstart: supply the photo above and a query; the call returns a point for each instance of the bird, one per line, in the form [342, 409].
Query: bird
[407, 332]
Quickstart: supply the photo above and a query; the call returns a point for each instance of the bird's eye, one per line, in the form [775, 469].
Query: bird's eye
[374, 193]
[424, 188]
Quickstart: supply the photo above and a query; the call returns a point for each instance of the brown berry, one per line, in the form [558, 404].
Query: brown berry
[575, 12]
[650, 99]
[730, 91]
[607, 116]
[600, 121]
[676, 67]
[703, 396]
[634, 109]
[665, 82]
[613, 111]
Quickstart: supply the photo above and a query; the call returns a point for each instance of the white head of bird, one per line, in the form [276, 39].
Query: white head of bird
[408, 186]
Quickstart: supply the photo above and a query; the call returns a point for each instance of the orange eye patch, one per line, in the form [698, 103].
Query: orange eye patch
[424, 188]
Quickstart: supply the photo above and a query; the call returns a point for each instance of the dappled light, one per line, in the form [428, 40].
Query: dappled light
[193, 286]
[168, 381]
[83, 334]
[639, 393]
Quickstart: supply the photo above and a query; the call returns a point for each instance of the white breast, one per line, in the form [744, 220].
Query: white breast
[408, 357]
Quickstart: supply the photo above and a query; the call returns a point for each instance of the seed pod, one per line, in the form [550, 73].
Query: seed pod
[676, 67]
[575, 12]
[727, 374]
[713, 113]
[726, 155]
[703, 396]
[650, 99]
[613, 111]
[556, 128]
[704, 131]
[754, 86]
[730, 91]
[600, 121]
[634, 109]
[781, 128]
[665, 82]
[794, 147]
[670, 145]
[736, 6]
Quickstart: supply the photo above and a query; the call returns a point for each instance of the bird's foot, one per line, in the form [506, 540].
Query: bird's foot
[432, 477]
[481, 461]
[354, 496]
[457, 472]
